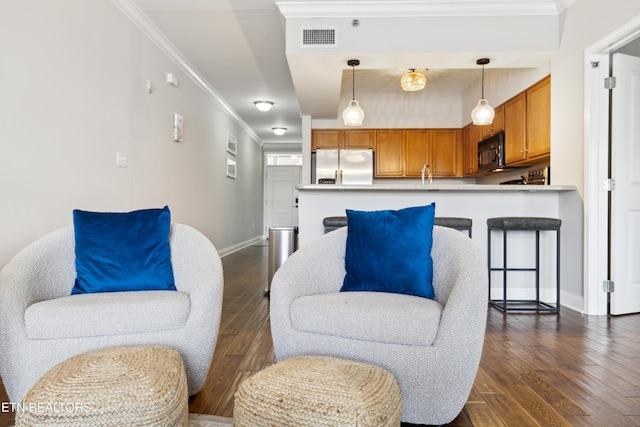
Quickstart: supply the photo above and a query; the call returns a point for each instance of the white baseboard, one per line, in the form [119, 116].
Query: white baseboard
[238, 246]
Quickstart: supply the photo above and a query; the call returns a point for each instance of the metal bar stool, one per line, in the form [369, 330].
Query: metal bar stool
[536, 224]
[460, 224]
[333, 223]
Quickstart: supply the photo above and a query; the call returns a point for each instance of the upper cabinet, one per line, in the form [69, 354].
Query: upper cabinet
[326, 138]
[404, 153]
[445, 152]
[358, 138]
[496, 126]
[515, 129]
[527, 124]
[342, 138]
[389, 157]
[469, 150]
[539, 119]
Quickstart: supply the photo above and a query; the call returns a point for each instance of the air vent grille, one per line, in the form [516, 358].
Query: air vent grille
[318, 37]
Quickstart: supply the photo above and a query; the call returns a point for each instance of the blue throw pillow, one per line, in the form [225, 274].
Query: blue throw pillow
[122, 251]
[390, 251]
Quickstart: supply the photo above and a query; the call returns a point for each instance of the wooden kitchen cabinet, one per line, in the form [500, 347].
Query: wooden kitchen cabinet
[496, 126]
[515, 129]
[445, 147]
[437, 148]
[342, 138]
[326, 138]
[416, 151]
[527, 124]
[469, 151]
[539, 119]
[389, 153]
[358, 138]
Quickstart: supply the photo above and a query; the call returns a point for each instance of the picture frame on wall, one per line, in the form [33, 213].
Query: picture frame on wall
[232, 144]
[231, 168]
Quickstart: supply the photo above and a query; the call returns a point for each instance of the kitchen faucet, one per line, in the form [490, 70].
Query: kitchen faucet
[427, 169]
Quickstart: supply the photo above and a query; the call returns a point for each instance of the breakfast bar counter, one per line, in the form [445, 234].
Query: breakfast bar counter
[477, 202]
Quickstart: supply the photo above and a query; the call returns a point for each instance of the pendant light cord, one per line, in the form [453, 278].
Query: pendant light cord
[353, 83]
[483, 81]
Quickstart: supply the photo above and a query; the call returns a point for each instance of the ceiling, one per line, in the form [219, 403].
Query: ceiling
[241, 49]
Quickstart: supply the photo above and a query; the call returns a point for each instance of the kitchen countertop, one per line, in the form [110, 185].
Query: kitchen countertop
[435, 187]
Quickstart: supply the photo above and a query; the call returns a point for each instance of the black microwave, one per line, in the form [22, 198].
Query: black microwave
[491, 153]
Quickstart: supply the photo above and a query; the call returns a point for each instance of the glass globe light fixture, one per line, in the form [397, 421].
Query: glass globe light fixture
[353, 115]
[413, 80]
[483, 113]
[279, 131]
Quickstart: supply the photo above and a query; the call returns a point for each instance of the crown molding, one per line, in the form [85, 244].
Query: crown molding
[132, 12]
[419, 8]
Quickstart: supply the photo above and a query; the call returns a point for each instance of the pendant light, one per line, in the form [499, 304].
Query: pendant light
[483, 113]
[353, 114]
[413, 80]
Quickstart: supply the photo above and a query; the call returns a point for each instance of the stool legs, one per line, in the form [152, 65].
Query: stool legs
[505, 304]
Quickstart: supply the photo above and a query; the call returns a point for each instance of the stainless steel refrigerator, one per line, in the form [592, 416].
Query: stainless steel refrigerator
[348, 167]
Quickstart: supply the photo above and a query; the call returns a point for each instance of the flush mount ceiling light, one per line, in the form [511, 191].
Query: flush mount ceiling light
[263, 105]
[483, 113]
[413, 80]
[279, 131]
[353, 114]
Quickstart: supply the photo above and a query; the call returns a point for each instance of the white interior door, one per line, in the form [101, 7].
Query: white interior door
[282, 196]
[625, 198]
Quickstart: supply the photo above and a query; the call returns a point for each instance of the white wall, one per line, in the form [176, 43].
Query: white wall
[585, 22]
[73, 93]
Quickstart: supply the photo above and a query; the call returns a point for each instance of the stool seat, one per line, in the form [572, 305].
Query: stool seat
[462, 224]
[318, 391]
[524, 223]
[454, 222]
[118, 386]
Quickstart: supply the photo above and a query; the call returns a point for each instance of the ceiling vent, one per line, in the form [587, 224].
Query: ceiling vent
[318, 37]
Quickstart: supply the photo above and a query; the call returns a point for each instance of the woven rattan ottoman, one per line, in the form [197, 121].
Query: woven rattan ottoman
[318, 391]
[119, 386]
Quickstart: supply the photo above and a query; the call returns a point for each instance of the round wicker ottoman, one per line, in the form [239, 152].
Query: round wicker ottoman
[318, 391]
[132, 386]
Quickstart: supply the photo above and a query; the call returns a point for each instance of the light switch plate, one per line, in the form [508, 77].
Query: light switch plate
[121, 159]
[177, 127]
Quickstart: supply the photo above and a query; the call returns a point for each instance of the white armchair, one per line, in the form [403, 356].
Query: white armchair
[432, 347]
[41, 324]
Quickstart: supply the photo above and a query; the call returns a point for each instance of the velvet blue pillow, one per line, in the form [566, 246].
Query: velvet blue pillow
[390, 251]
[122, 251]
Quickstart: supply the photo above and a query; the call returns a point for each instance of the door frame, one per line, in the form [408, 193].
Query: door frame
[596, 161]
[265, 231]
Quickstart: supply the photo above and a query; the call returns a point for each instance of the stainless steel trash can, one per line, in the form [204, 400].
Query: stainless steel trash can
[283, 241]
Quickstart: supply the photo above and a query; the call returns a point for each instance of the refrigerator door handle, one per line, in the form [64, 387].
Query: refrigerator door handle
[340, 176]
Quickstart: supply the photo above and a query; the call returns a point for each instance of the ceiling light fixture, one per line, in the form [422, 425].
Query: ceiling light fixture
[413, 80]
[263, 105]
[483, 113]
[353, 114]
[279, 131]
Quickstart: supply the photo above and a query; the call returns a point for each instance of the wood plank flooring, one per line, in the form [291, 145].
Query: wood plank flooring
[536, 370]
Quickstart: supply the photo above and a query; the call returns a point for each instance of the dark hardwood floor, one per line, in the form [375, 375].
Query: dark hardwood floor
[536, 370]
